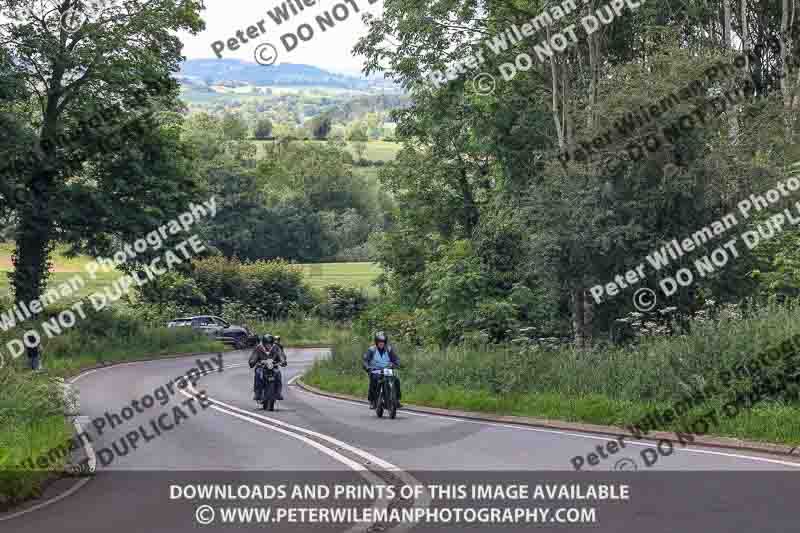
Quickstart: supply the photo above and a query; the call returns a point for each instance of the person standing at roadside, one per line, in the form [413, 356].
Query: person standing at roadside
[34, 350]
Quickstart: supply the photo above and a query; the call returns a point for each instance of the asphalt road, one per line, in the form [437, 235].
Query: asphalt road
[316, 440]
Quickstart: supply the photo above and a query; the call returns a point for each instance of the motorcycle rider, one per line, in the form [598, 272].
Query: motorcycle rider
[379, 356]
[268, 349]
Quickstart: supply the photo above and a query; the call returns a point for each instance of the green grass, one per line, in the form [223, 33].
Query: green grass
[375, 150]
[64, 269]
[26, 441]
[103, 279]
[378, 150]
[318, 275]
[60, 261]
[358, 275]
[767, 423]
[609, 386]
[31, 410]
[301, 332]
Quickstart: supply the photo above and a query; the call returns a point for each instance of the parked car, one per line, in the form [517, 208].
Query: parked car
[237, 336]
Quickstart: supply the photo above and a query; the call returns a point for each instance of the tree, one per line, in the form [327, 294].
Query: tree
[358, 133]
[360, 148]
[477, 155]
[263, 129]
[234, 127]
[92, 86]
[321, 127]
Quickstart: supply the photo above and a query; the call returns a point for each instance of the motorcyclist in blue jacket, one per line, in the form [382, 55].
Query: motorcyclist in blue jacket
[379, 356]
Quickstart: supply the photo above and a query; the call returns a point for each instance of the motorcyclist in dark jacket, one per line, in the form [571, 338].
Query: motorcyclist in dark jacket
[380, 356]
[268, 349]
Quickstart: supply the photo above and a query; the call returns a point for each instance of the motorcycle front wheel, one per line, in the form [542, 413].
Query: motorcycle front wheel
[379, 409]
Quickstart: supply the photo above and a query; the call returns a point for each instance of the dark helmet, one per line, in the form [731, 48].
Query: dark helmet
[267, 339]
[381, 337]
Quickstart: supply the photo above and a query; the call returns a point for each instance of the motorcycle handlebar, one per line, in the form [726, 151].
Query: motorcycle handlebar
[393, 367]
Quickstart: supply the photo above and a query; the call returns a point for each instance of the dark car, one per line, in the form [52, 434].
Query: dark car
[237, 336]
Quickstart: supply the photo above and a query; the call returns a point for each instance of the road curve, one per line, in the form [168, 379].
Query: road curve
[313, 438]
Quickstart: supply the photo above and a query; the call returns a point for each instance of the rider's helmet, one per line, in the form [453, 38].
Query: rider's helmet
[381, 337]
[267, 339]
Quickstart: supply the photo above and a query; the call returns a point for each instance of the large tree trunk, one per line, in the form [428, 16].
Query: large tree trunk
[563, 99]
[582, 311]
[33, 236]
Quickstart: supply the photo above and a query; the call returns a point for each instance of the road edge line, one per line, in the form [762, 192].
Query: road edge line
[91, 461]
[594, 429]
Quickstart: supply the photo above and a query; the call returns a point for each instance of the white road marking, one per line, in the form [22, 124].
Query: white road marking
[688, 449]
[515, 427]
[567, 433]
[423, 501]
[87, 446]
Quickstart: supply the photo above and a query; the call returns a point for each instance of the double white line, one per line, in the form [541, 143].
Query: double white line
[331, 447]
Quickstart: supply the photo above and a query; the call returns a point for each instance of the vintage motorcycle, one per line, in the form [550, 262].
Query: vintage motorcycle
[387, 392]
[267, 373]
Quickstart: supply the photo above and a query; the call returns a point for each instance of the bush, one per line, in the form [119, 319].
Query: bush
[275, 289]
[341, 303]
[356, 254]
[219, 279]
[391, 318]
[258, 291]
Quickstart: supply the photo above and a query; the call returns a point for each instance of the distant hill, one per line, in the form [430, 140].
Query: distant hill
[213, 71]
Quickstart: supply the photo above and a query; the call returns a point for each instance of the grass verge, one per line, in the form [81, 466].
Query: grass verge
[298, 333]
[610, 386]
[31, 407]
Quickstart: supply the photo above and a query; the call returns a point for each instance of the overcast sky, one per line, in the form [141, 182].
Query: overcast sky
[329, 49]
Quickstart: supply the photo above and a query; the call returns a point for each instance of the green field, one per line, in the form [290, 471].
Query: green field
[376, 150]
[359, 275]
[64, 268]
